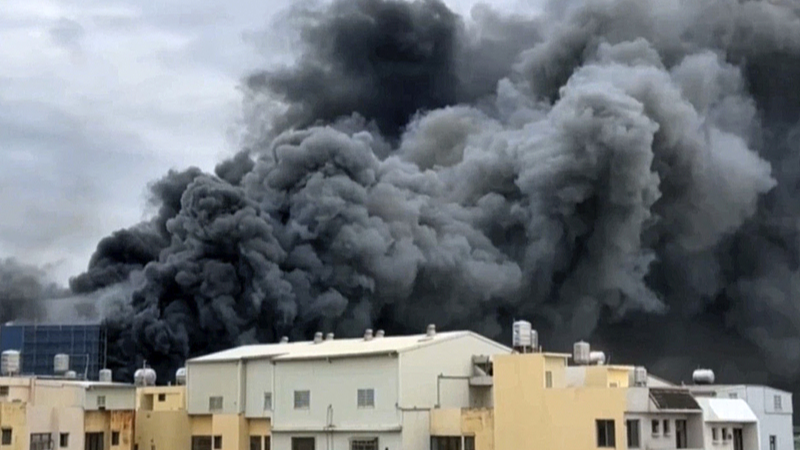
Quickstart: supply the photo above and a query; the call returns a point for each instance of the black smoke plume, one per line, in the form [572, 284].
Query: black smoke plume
[623, 171]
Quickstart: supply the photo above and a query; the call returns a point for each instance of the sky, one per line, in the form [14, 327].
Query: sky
[98, 98]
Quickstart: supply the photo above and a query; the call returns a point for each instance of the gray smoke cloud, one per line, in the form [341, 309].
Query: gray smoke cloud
[615, 170]
[24, 291]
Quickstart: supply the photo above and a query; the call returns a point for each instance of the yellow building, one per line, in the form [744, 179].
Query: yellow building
[39, 414]
[162, 422]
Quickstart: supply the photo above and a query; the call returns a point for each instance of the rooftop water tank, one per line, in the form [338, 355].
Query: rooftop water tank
[329, 336]
[317, 337]
[640, 377]
[581, 353]
[380, 334]
[70, 374]
[368, 334]
[106, 376]
[180, 376]
[431, 330]
[138, 377]
[521, 335]
[61, 364]
[597, 358]
[284, 339]
[149, 377]
[703, 376]
[10, 363]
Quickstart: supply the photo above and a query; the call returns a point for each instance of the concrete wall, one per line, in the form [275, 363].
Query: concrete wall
[161, 398]
[205, 380]
[46, 419]
[14, 416]
[334, 386]
[478, 423]
[749, 431]
[527, 415]
[664, 441]
[259, 376]
[233, 429]
[416, 428]
[116, 398]
[772, 422]
[420, 368]
[163, 430]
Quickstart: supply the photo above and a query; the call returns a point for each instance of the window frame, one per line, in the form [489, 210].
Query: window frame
[101, 401]
[296, 440]
[216, 403]
[777, 402]
[364, 440]
[368, 398]
[665, 428]
[609, 433]
[655, 427]
[63, 440]
[298, 396]
[267, 401]
[773, 442]
[10, 435]
[548, 379]
[5, 391]
[114, 438]
[633, 424]
[162, 397]
[216, 442]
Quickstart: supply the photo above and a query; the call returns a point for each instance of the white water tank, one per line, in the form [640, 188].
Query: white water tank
[285, 340]
[640, 377]
[61, 364]
[521, 335]
[597, 358]
[10, 363]
[138, 377]
[180, 376]
[106, 376]
[149, 377]
[581, 353]
[317, 337]
[71, 374]
[703, 376]
[535, 340]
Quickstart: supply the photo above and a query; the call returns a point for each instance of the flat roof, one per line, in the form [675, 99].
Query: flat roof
[337, 348]
[716, 387]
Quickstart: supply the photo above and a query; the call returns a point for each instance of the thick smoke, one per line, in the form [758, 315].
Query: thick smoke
[24, 290]
[622, 171]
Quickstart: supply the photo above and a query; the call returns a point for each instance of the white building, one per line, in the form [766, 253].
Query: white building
[362, 394]
[772, 408]
[730, 424]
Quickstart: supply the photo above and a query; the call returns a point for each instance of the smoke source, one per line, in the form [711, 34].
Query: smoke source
[623, 171]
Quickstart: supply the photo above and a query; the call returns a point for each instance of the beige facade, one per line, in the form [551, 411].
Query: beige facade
[38, 414]
[162, 422]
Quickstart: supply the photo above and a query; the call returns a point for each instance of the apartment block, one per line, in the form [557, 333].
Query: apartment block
[162, 421]
[370, 393]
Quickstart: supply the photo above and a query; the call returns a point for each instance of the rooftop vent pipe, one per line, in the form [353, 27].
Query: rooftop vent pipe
[317, 337]
[368, 334]
[380, 334]
[329, 337]
[431, 330]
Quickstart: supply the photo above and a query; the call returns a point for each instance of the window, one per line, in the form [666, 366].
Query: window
[267, 401]
[733, 395]
[469, 442]
[445, 442]
[773, 443]
[201, 442]
[654, 427]
[267, 442]
[666, 427]
[93, 441]
[366, 398]
[303, 443]
[633, 433]
[255, 443]
[214, 403]
[364, 444]
[3, 391]
[302, 400]
[43, 441]
[778, 406]
[613, 384]
[114, 438]
[217, 442]
[63, 440]
[605, 433]
[714, 436]
[724, 434]
[6, 436]
[162, 397]
[101, 401]
[548, 379]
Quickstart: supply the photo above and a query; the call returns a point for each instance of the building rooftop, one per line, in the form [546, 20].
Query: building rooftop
[726, 410]
[336, 348]
[717, 387]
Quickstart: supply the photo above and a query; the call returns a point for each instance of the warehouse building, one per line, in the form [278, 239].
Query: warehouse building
[370, 393]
